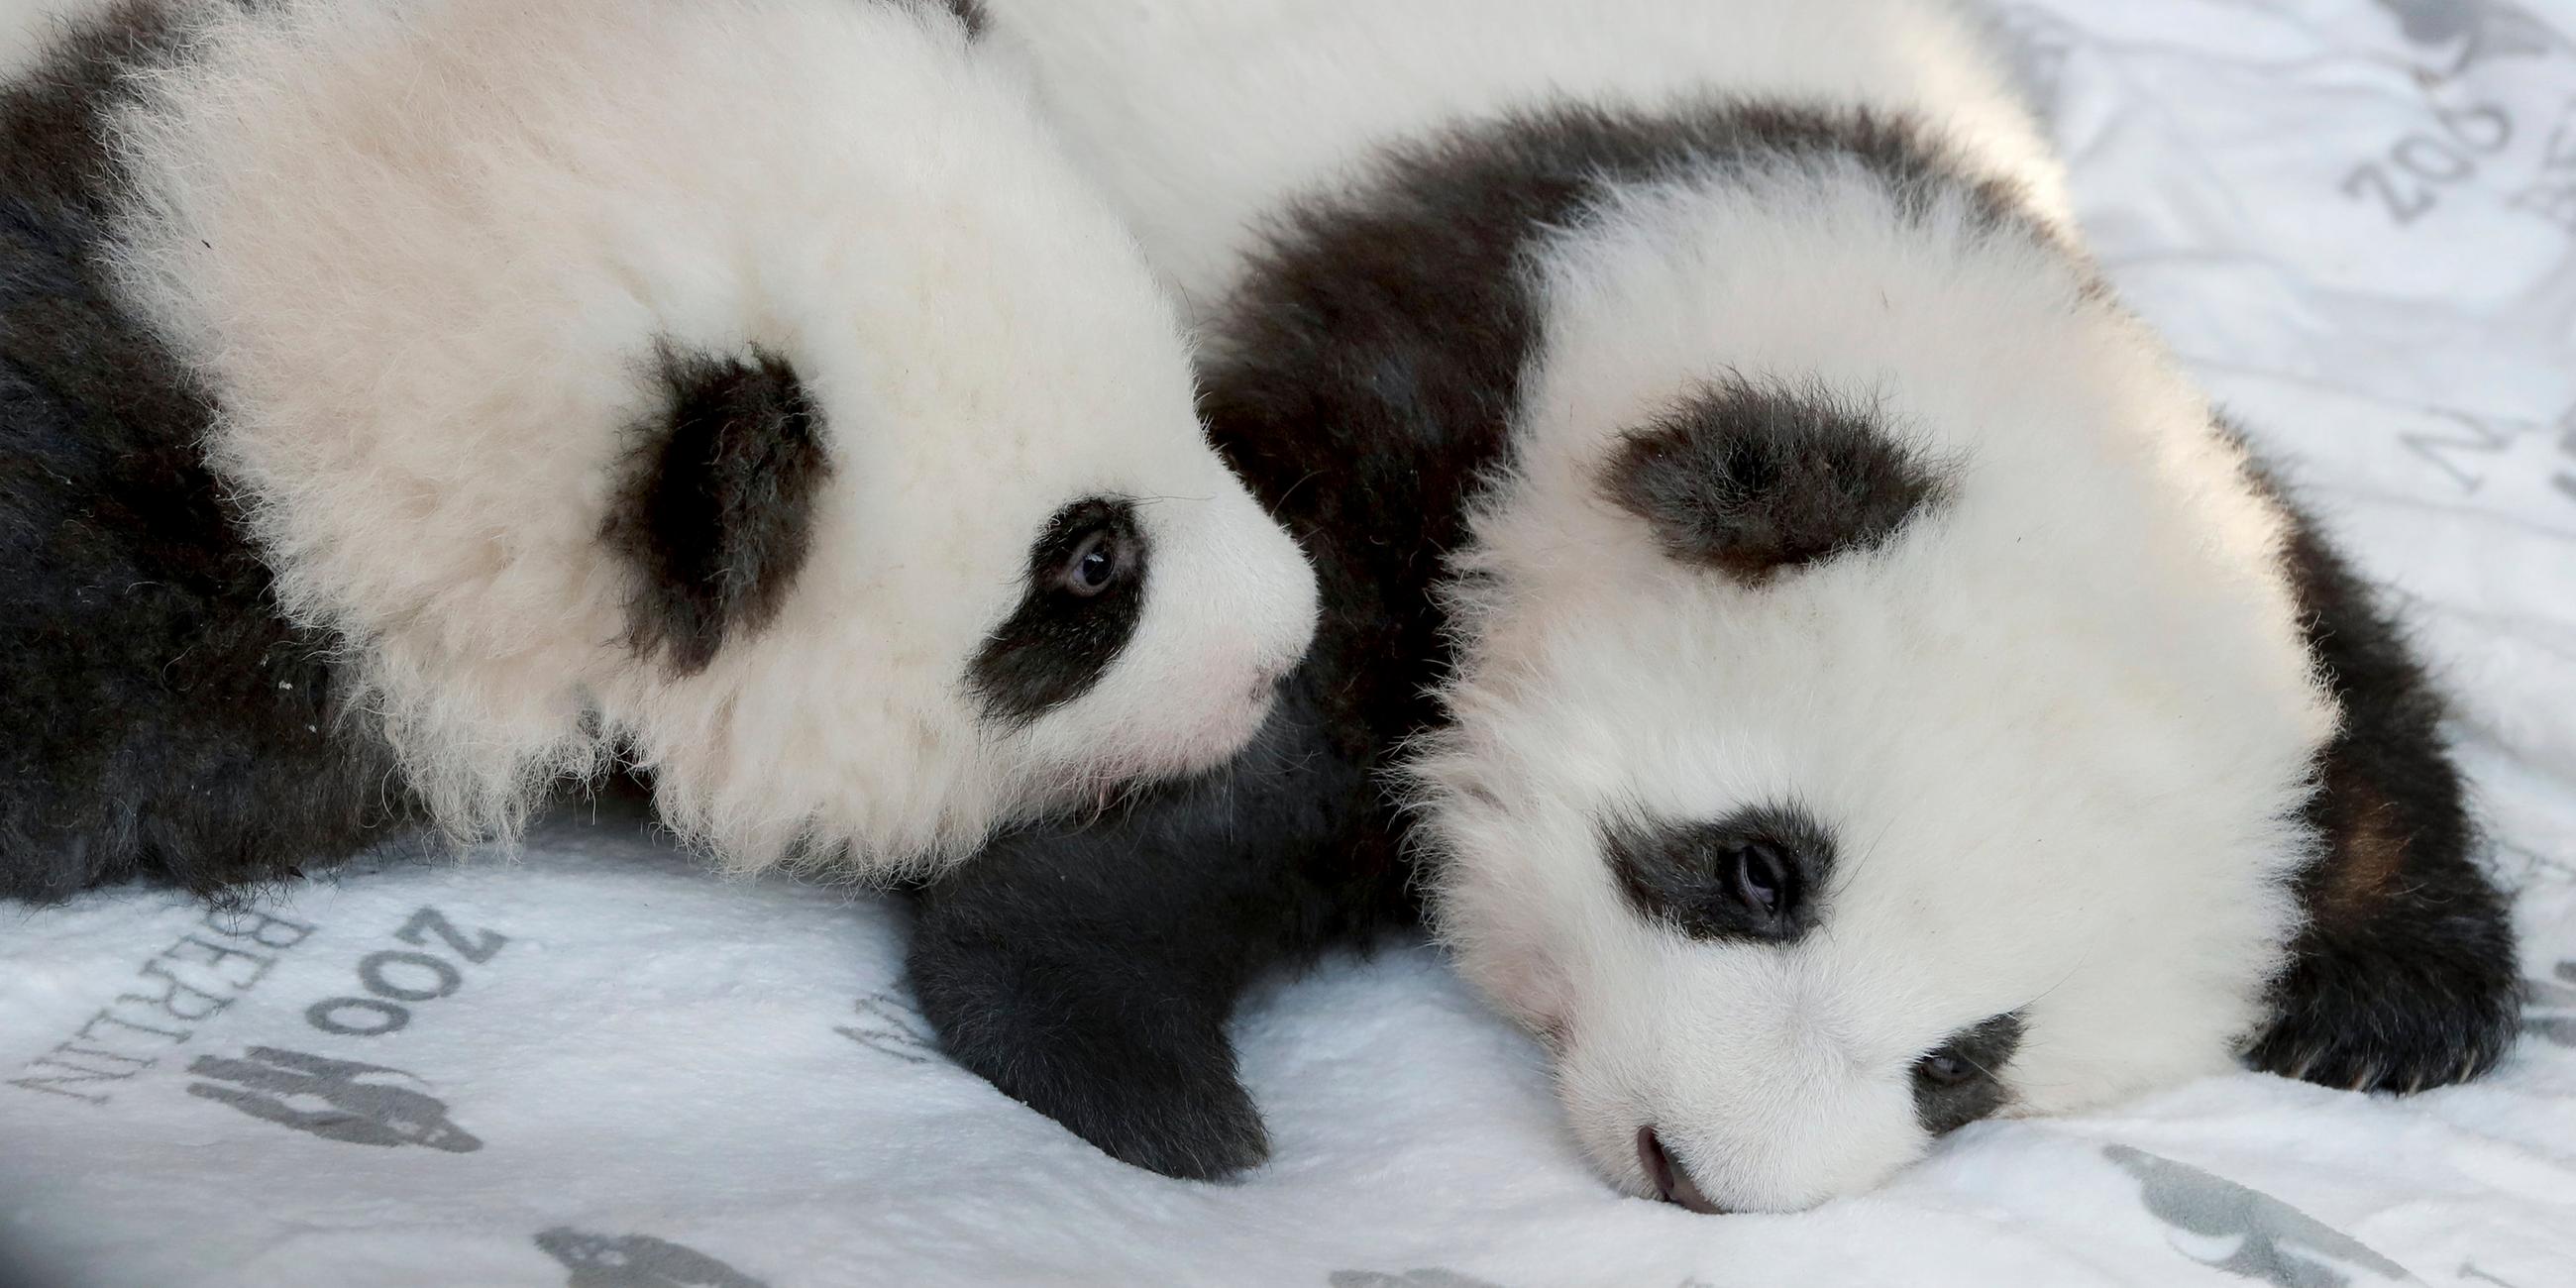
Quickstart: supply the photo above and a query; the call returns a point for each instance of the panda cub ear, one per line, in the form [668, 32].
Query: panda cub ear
[1749, 479]
[716, 514]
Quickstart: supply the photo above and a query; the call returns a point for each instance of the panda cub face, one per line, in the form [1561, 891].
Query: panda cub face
[744, 387]
[1879, 704]
[1106, 605]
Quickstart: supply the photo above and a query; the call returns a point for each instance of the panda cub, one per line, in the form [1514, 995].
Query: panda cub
[1833, 676]
[407, 406]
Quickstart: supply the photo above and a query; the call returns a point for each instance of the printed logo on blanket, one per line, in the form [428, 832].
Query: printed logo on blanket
[2476, 29]
[332, 1099]
[636, 1261]
[1430, 1277]
[2248, 1233]
[2550, 1011]
[891, 1026]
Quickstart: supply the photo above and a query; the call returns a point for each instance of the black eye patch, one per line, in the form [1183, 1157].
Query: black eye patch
[1756, 874]
[1959, 1082]
[1749, 479]
[1084, 595]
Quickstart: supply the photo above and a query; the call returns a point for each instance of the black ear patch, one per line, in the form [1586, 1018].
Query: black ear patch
[717, 515]
[1749, 479]
[2404, 976]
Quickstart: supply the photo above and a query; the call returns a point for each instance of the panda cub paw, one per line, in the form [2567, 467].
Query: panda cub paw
[2394, 1029]
[1113, 1051]
[1140, 1090]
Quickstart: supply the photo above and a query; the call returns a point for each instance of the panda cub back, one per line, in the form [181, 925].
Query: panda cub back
[744, 389]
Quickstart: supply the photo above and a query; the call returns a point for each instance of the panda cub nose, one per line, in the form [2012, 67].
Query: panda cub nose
[1671, 1180]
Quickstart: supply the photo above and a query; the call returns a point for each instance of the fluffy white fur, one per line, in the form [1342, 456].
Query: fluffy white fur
[422, 251]
[2061, 725]
[1203, 116]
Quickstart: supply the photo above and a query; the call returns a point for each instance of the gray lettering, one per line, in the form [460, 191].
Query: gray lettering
[267, 930]
[371, 972]
[324, 1015]
[168, 1002]
[430, 921]
[111, 1017]
[216, 954]
[2475, 437]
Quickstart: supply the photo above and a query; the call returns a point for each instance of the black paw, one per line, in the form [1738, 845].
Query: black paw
[2364, 1021]
[1145, 1073]
[1189, 1121]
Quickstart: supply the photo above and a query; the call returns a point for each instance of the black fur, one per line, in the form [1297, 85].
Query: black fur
[2405, 975]
[1972, 1086]
[971, 16]
[719, 515]
[158, 718]
[1687, 875]
[1362, 384]
[1058, 644]
[1751, 479]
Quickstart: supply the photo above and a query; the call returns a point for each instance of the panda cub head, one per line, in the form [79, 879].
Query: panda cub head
[743, 387]
[1882, 698]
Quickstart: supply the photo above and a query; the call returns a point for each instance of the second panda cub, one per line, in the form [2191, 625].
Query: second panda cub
[1834, 676]
[409, 405]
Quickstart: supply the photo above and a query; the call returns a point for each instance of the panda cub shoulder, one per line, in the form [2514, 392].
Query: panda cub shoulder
[408, 407]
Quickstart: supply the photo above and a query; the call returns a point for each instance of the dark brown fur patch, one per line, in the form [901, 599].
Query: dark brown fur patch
[717, 516]
[2368, 851]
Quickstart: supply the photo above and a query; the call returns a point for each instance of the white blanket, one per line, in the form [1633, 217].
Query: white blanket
[597, 1067]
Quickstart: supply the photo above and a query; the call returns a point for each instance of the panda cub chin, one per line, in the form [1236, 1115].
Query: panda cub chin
[407, 406]
[1837, 677]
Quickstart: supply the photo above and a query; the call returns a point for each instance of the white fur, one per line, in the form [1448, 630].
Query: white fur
[422, 251]
[2061, 725]
[1204, 116]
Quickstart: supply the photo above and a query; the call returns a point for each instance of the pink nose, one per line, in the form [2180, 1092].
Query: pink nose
[1671, 1180]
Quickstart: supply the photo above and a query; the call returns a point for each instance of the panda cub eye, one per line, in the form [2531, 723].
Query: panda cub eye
[1098, 561]
[1758, 876]
[1749, 875]
[1947, 1067]
[1085, 594]
[1956, 1083]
